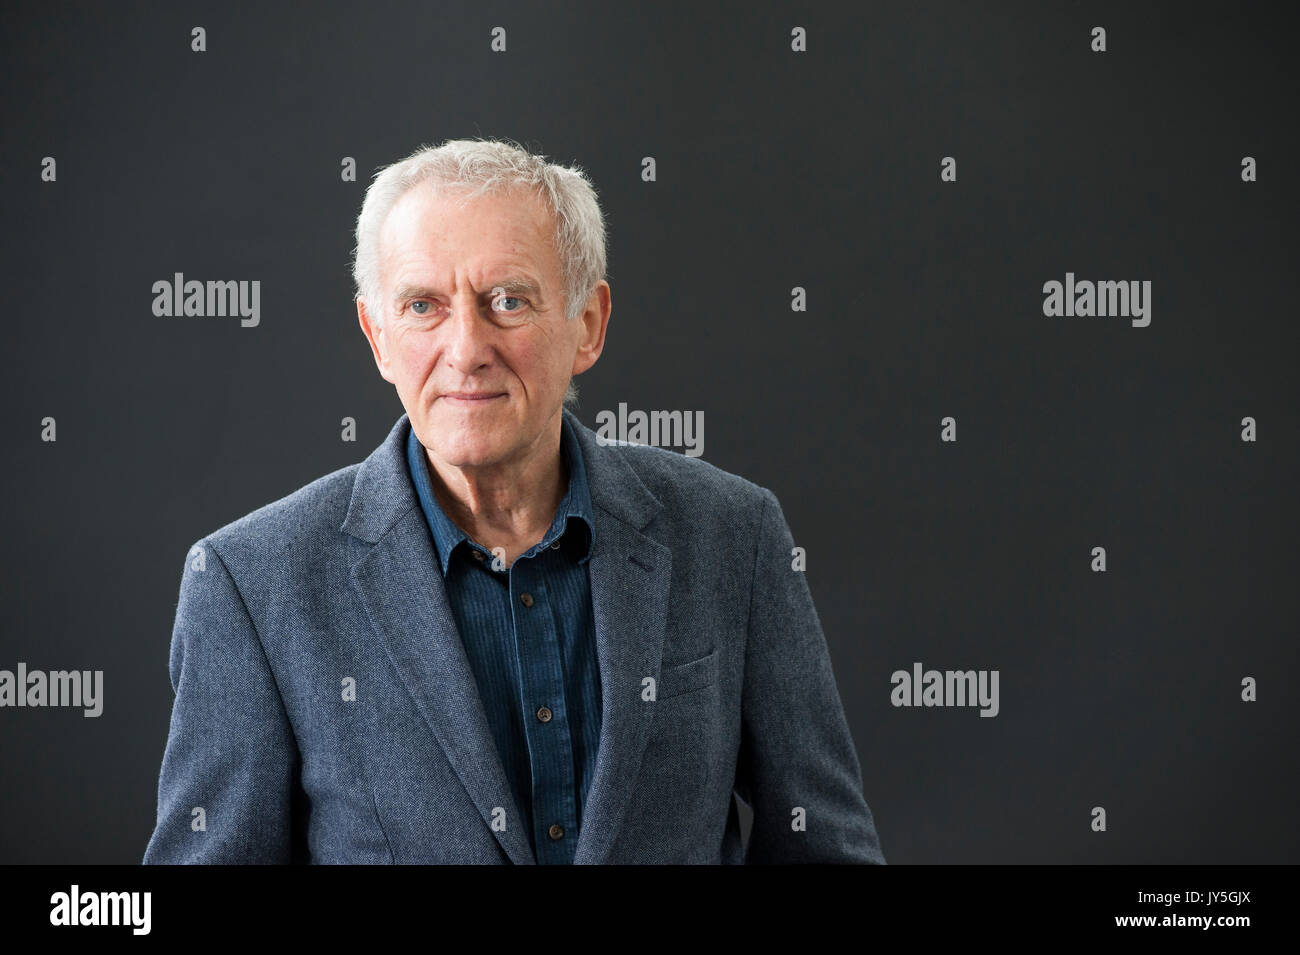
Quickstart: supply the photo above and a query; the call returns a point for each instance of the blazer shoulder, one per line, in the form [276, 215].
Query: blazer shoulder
[693, 486]
[312, 514]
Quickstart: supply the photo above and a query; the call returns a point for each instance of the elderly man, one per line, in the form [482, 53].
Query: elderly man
[498, 638]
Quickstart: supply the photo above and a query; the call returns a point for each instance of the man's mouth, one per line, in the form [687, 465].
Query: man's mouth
[472, 397]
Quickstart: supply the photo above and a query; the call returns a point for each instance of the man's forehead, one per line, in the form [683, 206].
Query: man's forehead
[512, 227]
[423, 207]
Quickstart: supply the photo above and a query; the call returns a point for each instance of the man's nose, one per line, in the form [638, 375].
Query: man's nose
[469, 334]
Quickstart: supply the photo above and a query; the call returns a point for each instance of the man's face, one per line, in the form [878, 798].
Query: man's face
[481, 373]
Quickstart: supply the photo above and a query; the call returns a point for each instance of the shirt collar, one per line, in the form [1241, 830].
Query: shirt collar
[576, 504]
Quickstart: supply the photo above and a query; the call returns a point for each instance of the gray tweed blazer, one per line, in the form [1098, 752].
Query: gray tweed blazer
[325, 711]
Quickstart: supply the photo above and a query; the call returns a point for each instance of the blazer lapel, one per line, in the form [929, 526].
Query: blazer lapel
[403, 592]
[629, 596]
[630, 575]
[398, 582]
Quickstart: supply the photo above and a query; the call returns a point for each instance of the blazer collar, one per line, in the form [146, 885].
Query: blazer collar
[383, 493]
[398, 581]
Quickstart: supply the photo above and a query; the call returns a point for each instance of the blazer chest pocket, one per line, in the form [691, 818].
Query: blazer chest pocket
[681, 678]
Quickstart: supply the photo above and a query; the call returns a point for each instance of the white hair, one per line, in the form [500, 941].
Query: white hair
[490, 166]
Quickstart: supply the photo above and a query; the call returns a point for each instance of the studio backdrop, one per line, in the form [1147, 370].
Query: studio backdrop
[998, 300]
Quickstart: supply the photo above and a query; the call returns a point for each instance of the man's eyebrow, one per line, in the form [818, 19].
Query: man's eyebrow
[511, 286]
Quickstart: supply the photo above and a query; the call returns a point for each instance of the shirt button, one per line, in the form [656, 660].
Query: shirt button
[478, 555]
[544, 714]
[556, 832]
[555, 545]
[526, 599]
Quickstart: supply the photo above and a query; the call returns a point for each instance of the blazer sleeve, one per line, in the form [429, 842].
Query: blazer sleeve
[796, 752]
[230, 750]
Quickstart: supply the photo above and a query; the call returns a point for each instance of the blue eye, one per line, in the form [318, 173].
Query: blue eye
[509, 298]
[418, 307]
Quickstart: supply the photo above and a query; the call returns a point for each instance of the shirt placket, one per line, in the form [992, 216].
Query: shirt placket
[545, 713]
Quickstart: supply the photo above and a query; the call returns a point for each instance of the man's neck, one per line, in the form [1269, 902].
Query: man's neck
[509, 505]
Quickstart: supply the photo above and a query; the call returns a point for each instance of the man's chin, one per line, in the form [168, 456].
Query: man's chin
[467, 447]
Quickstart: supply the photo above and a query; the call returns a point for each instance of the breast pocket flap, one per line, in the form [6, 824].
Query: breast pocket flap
[679, 678]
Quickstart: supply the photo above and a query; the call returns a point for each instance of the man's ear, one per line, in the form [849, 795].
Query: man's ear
[375, 336]
[595, 320]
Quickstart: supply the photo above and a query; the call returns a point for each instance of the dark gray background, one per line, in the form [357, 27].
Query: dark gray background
[775, 169]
